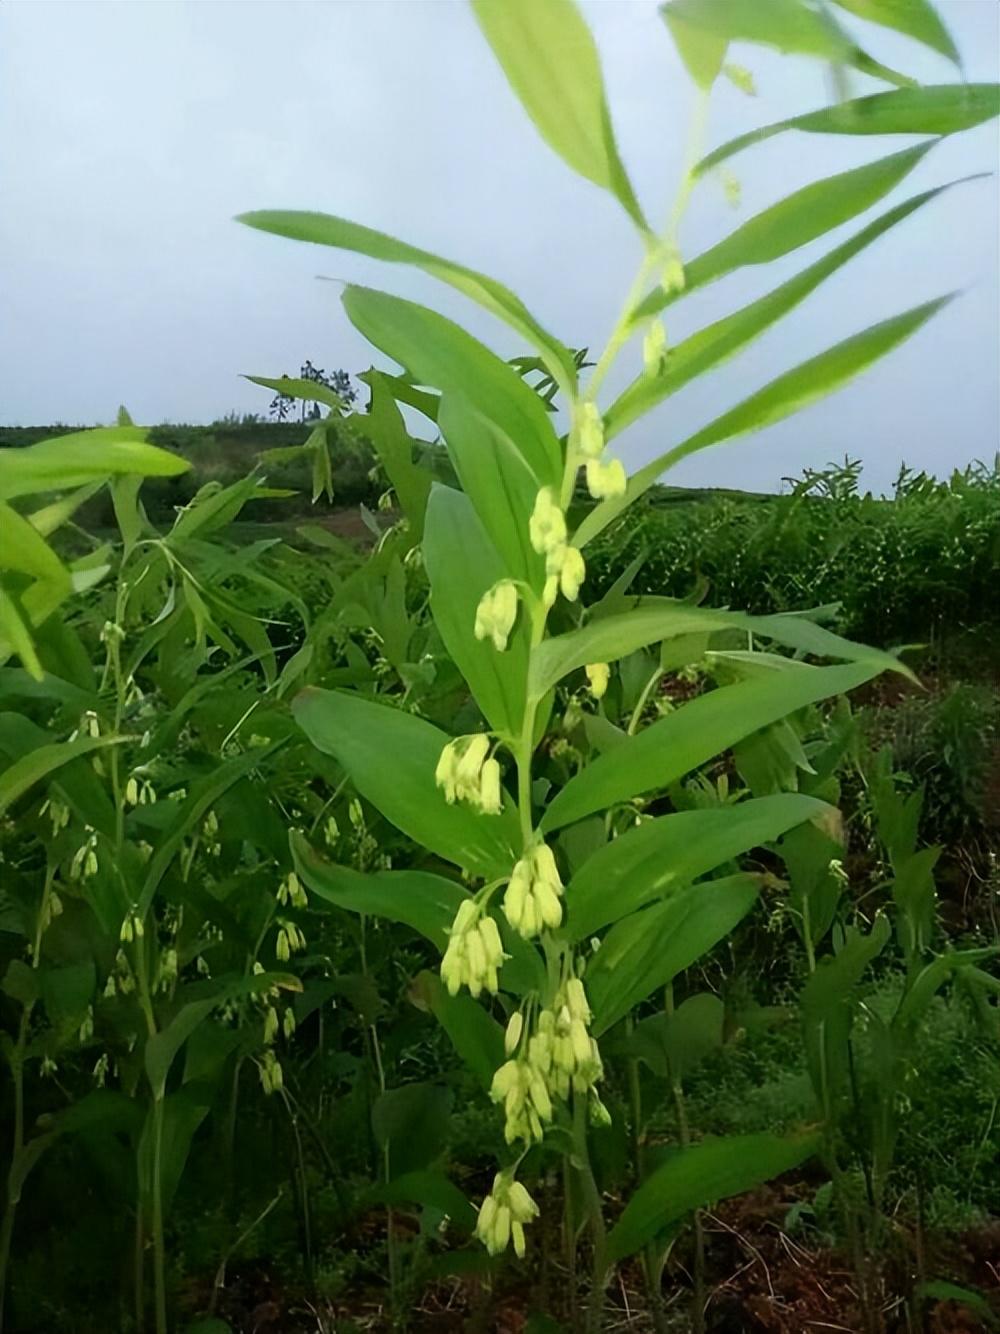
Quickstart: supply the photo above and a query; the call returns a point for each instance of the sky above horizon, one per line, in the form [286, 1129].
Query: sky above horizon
[134, 131]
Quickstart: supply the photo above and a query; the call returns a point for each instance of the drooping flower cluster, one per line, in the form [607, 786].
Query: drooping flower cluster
[496, 613]
[532, 900]
[605, 476]
[564, 566]
[503, 1214]
[475, 951]
[466, 772]
[290, 891]
[543, 1065]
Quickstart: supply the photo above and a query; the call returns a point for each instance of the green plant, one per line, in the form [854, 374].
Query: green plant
[577, 903]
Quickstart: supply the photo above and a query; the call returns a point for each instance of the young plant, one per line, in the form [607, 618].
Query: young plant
[576, 903]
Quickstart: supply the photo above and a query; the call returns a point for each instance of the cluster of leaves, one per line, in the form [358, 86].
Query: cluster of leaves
[921, 564]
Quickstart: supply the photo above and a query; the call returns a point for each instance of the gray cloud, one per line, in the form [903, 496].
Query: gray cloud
[133, 131]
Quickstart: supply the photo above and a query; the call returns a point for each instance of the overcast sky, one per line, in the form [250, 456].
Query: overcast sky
[131, 132]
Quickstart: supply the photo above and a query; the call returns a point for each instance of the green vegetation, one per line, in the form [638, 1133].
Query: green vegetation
[434, 930]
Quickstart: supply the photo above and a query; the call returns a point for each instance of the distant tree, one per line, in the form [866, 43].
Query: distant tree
[339, 381]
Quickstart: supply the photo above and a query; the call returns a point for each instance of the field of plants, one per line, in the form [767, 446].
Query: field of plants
[449, 884]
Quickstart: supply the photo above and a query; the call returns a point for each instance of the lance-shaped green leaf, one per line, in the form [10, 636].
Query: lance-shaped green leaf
[474, 1033]
[935, 109]
[646, 950]
[431, 1190]
[788, 25]
[812, 380]
[82, 457]
[325, 229]
[827, 1011]
[711, 346]
[551, 62]
[689, 736]
[24, 773]
[387, 431]
[915, 18]
[23, 549]
[497, 480]
[426, 903]
[652, 620]
[658, 856]
[701, 50]
[292, 386]
[497, 680]
[700, 1175]
[391, 757]
[438, 353]
[793, 222]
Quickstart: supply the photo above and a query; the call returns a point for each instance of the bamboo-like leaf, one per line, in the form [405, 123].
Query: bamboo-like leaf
[551, 62]
[292, 386]
[325, 229]
[426, 903]
[915, 18]
[713, 1170]
[30, 769]
[394, 447]
[646, 950]
[701, 50]
[652, 620]
[796, 389]
[788, 25]
[935, 109]
[474, 1033]
[711, 346]
[496, 680]
[793, 222]
[391, 757]
[438, 353]
[692, 734]
[82, 457]
[23, 549]
[659, 856]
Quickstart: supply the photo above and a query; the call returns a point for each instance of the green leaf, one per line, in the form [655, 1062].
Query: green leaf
[291, 386]
[789, 393]
[427, 903]
[717, 342]
[497, 680]
[684, 739]
[432, 1190]
[551, 62]
[495, 477]
[713, 1170]
[411, 1122]
[325, 229]
[23, 549]
[789, 25]
[30, 769]
[793, 222]
[935, 109]
[646, 950]
[827, 1011]
[438, 353]
[15, 636]
[659, 856]
[701, 50]
[67, 991]
[182, 1113]
[83, 457]
[391, 757]
[915, 18]
[940, 1290]
[162, 1047]
[387, 432]
[654, 619]
[474, 1033]
[673, 1045]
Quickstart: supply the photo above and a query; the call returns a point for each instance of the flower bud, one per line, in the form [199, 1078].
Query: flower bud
[490, 799]
[547, 525]
[572, 574]
[654, 347]
[606, 479]
[512, 1036]
[590, 434]
[598, 674]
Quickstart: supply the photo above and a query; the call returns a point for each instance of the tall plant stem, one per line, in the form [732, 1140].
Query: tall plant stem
[684, 1135]
[595, 1211]
[650, 1270]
